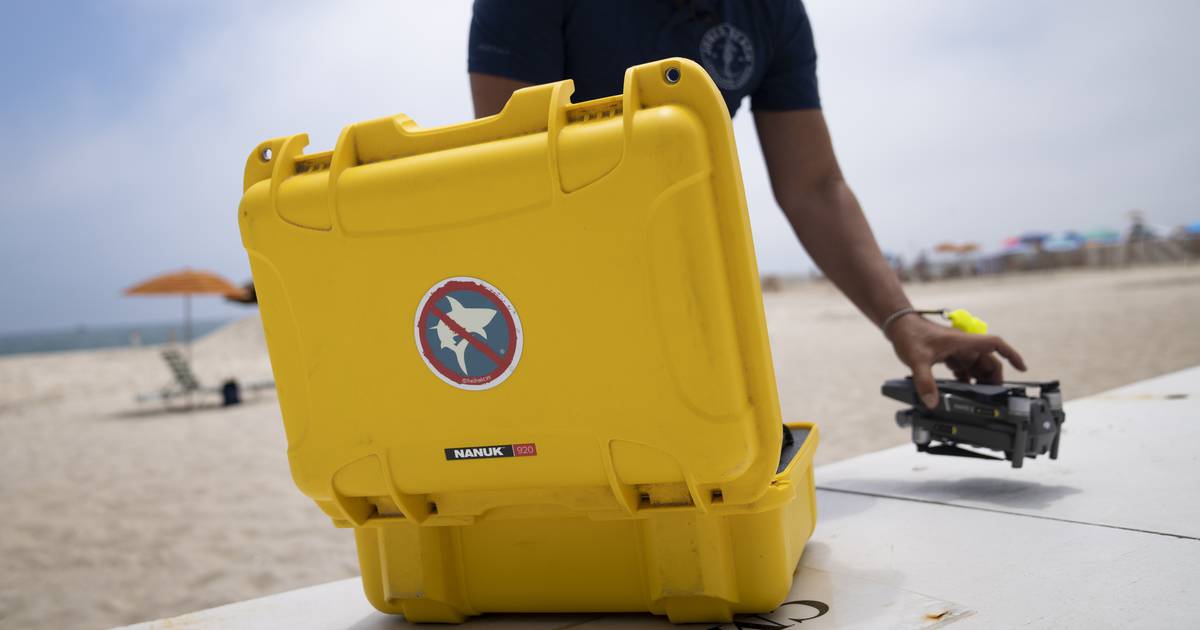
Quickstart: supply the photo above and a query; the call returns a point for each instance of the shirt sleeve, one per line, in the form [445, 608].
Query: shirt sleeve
[791, 79]
[518, 39]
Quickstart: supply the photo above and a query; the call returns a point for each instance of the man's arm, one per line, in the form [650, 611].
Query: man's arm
[824, 212]
[825, 215]
[490, 92]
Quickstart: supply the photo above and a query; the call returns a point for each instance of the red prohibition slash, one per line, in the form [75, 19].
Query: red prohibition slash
[502, 362]
[462, 332]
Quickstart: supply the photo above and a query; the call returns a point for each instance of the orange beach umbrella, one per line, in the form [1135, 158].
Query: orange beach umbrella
[187, 282]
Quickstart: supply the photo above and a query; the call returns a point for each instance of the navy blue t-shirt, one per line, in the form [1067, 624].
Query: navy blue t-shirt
[757, 48]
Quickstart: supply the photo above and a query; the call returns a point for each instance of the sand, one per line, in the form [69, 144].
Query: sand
[113, 512]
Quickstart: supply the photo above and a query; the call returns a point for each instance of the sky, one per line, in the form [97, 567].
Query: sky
[126, 125]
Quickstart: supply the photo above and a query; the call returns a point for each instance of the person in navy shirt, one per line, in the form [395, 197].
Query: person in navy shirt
[761, 49]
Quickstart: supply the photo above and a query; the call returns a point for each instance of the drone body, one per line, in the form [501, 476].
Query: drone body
[1005, 418]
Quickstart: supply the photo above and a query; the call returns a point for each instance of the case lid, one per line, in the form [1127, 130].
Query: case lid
[555, 306]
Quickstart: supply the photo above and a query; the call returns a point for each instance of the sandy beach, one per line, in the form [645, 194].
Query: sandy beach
[116, 511]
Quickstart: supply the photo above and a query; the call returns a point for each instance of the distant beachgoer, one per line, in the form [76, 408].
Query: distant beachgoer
[921, 267]
[1137, 227]
[1137, 240]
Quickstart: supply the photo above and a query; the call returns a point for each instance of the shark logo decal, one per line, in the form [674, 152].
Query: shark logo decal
[472, 320]
[468, 333]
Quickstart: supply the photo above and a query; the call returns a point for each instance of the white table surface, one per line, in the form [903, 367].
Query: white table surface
[1124, 462]
[1108, 536]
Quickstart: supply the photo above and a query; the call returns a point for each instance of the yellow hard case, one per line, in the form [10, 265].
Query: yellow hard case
[643, 398]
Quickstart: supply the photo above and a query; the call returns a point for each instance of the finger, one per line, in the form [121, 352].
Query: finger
[926, 386]
[961, 374]
[955, 364]
[989, 370]
[991, 343]
[975, 367]
[963, 364]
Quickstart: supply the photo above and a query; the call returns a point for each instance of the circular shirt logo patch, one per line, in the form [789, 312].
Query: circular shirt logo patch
[728, 55]
[468, 333]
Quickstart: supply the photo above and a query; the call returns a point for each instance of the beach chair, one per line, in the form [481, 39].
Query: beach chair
[186, 383]
[182, 370]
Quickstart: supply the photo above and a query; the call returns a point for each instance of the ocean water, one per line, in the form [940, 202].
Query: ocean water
[87, 337]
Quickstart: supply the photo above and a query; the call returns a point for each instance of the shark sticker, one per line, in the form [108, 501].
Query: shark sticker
[468, 333]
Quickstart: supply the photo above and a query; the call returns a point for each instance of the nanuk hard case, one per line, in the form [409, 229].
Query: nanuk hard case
[525, 357]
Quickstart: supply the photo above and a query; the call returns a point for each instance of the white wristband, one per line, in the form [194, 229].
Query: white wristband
[908, 310]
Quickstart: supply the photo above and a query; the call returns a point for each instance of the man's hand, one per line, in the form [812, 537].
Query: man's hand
[921, 343]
